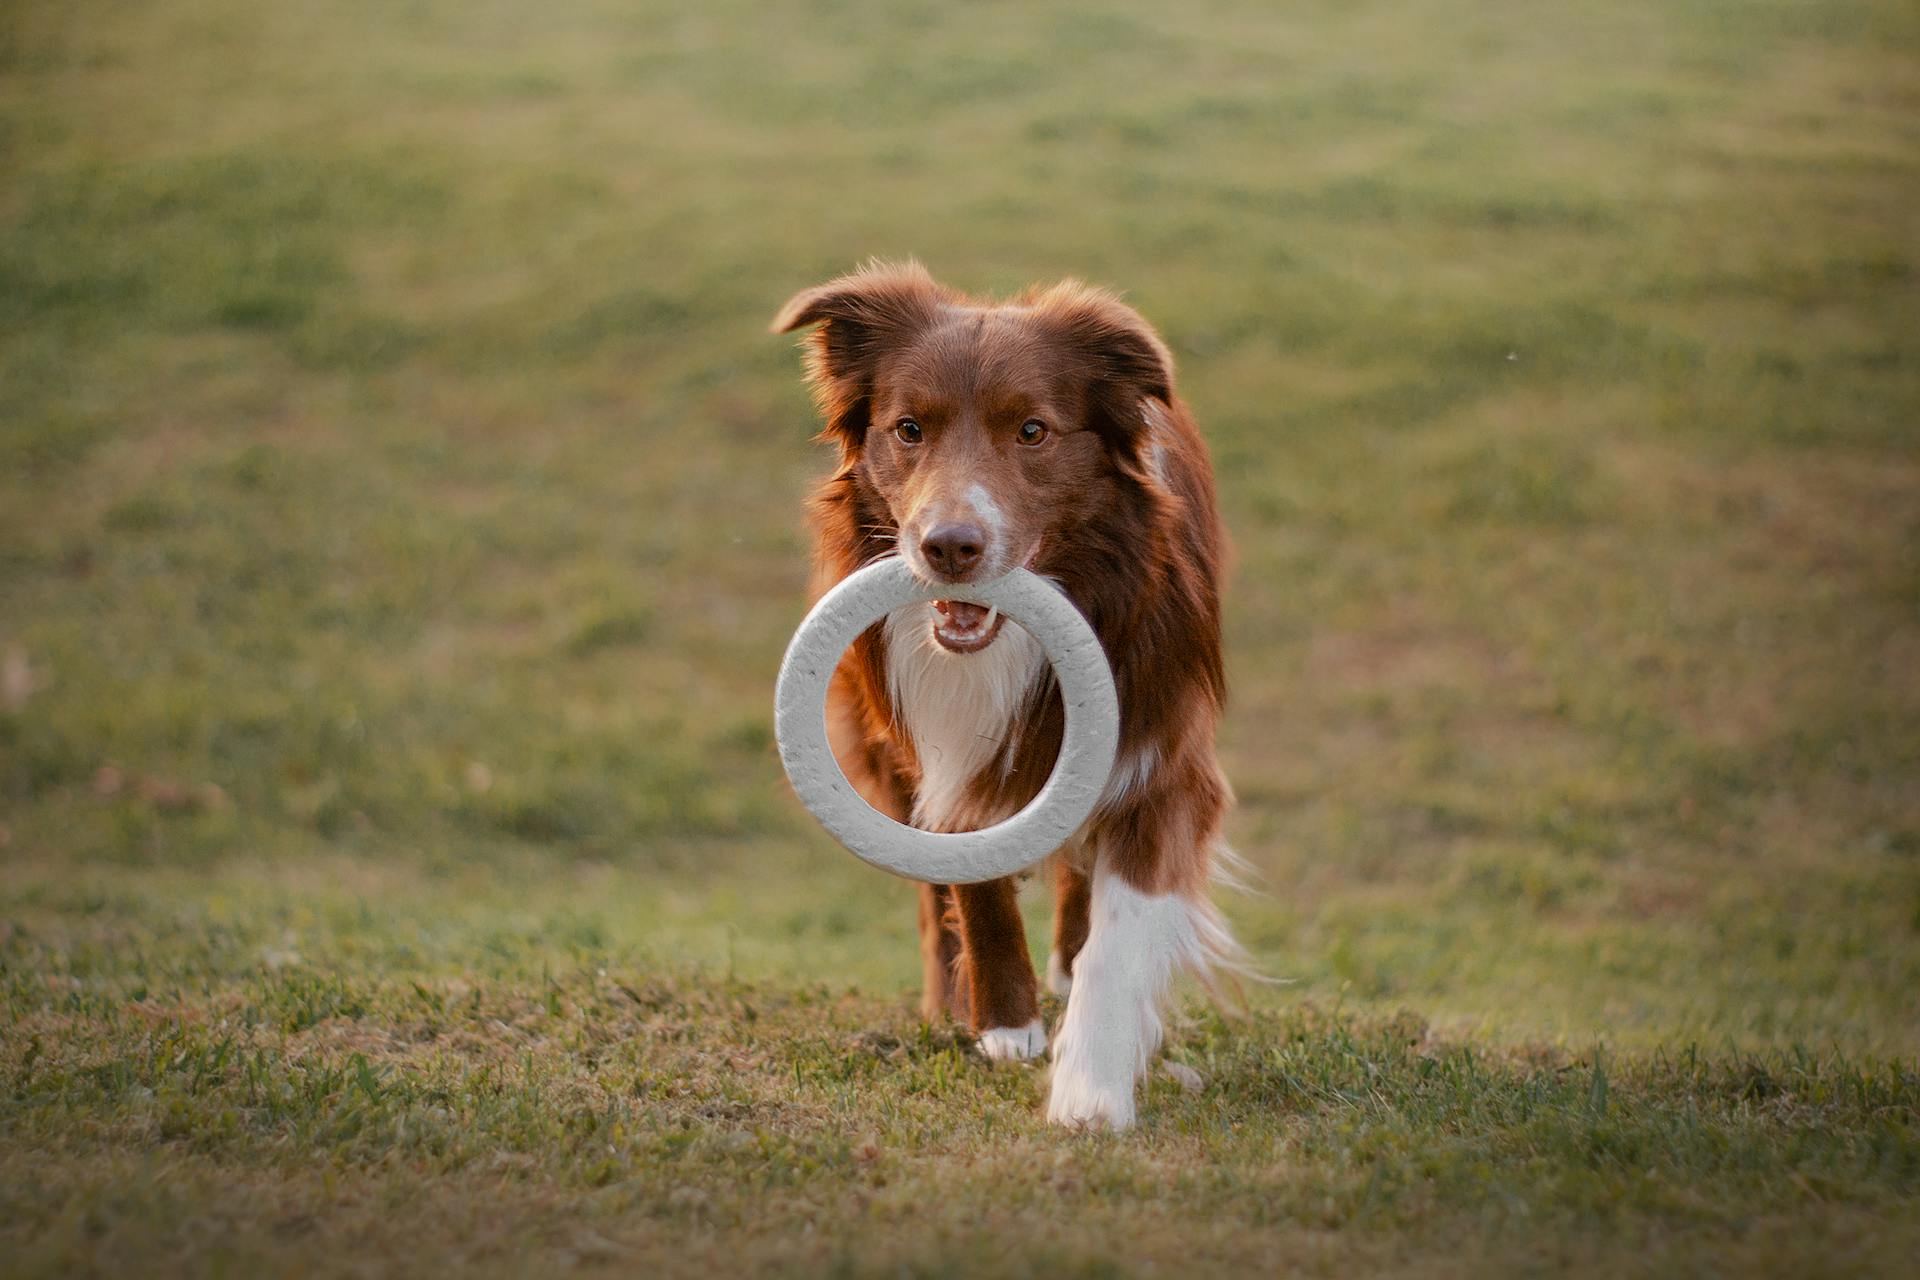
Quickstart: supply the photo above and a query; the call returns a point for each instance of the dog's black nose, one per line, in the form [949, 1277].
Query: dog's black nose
[953, 549]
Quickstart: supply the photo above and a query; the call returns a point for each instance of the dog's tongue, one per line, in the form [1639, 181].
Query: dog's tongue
[961, 614]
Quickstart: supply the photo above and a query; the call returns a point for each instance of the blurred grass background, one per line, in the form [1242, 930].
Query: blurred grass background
[400, 496]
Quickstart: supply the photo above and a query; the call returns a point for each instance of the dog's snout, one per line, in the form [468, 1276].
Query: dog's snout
[952, 550]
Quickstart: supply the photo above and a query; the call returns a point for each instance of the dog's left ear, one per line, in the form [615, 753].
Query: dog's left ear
[860, 316]
[1122, 357]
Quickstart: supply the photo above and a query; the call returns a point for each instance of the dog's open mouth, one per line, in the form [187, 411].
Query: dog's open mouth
[965, 628]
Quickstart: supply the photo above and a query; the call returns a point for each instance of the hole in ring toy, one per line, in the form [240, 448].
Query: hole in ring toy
[963, 857]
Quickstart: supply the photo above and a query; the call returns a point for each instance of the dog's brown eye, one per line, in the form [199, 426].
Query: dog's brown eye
[1033, 431]
[908, 430]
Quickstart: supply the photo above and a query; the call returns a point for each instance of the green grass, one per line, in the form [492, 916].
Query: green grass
[400, 525]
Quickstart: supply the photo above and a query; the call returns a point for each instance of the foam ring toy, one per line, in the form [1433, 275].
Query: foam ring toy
[966, 857]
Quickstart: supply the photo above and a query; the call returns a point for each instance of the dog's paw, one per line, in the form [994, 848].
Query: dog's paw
[1078, 1101]
[1059, 981]
[1014, 1044]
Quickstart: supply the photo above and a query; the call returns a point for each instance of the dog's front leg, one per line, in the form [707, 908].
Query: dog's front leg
[1136, 940]
[1003, 998]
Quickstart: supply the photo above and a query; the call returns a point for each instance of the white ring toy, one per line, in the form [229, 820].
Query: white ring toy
[965, 857]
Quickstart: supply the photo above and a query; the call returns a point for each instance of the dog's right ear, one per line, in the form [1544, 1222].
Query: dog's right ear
[860, 315]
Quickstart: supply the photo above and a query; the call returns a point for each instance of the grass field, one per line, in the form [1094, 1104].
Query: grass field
[399, 528]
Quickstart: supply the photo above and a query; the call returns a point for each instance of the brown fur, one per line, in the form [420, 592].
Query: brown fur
[1116, 505]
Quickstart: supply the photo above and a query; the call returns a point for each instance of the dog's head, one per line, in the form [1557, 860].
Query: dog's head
[993, 432]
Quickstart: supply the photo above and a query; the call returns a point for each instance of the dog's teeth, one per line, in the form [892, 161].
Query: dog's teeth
[993, 616]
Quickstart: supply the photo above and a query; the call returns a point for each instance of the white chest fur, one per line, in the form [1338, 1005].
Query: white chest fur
[960, 709]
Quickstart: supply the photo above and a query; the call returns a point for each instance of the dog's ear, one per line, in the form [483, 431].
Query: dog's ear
[1121, 357]
[860, 315]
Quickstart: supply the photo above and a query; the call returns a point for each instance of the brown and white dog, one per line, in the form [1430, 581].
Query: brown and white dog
[1044, 432]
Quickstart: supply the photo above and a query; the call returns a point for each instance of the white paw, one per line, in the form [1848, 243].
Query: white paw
[1014, 1044]
[1079, 1101]
[1059, 981]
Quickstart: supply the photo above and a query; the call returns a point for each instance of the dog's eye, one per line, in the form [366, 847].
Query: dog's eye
[908, 430]
[1033, 431]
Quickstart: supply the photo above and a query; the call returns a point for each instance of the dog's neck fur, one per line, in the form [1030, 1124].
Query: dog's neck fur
[960, 710]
